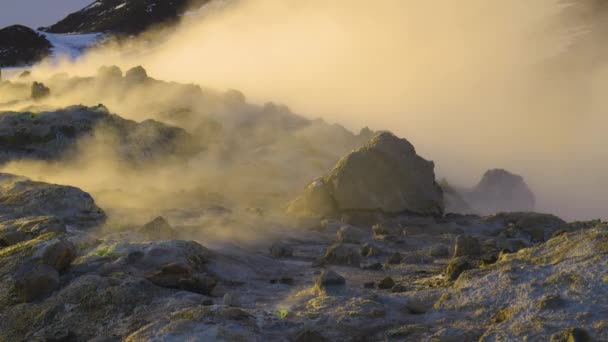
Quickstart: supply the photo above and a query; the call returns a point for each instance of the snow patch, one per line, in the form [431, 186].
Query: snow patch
[70, 45]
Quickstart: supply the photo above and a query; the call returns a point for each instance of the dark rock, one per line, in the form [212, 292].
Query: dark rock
[310, 336]
[398, 288]
[20, 45]
[198, 284]
[387, 228]
[350, 234]
[466, 246]
[158, 229]
[374, 267]
[386, 283]
[394, 259]
[35, 281]
[368, 250]
[439, 251]
[329, 279]
[136, 75]
[369, 285]
[170, 275]
[456, 267]
[281, 250]
[341, 254]
[58, 254]
[40, 91]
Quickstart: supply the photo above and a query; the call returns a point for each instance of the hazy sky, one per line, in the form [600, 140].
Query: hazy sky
[36, 13]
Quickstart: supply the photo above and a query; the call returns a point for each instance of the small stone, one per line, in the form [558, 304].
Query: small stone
[59, 254]
[386, 283]
[280, 250]
[466, 246]
[374, 267]
[158, 229]
[394, 259]
[310, 336]
[456, 267]
[329, 282]
[349, 234]
[369, 285]
[439, 251]
[232, 299]
[398, 288]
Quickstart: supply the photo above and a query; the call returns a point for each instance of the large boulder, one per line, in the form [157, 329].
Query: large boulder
[385, 175]
[501, 191]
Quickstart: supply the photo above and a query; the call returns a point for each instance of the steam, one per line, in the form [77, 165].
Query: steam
[469, 83]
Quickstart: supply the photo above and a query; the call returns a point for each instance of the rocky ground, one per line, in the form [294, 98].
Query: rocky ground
[372, 249]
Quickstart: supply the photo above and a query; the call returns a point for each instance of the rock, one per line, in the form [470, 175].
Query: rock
[456, 266]
[329, 282]
[551, 302]
[170, 275]
[374, 267]
[35, 281]
[398, 288]
[385, 175]
[198, 284]
[571, 335]
[232, 299]
[394, 259]
[500, 190]
[109, 72]
[310, 336]
[21, 197]
[20, 46]
[387, 229]
[52, 135]
[58, 254]
[158, 229]
[350, 234]
[136, 75]
[281, 250]
[539, 227]
[466, 246]
[368, 251]
[316, 201]
[386, 283]
[341, 254]
[439, 251]
[369, 285]
[416, 307]
[39, 91]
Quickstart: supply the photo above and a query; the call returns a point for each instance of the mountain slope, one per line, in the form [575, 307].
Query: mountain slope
[123, 17]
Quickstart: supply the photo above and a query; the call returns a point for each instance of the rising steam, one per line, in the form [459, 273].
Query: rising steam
[470, 83]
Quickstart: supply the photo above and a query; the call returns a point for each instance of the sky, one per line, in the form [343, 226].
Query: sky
[36, 13]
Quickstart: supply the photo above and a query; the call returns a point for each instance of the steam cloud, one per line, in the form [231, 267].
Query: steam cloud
[472, 84]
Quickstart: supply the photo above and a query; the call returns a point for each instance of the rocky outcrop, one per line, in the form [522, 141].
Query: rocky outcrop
[53, 135]
[20, 45]
[385, 175]
[498, 191]
[21, 198]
